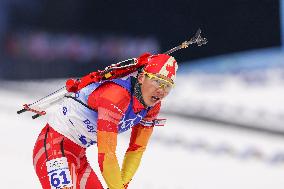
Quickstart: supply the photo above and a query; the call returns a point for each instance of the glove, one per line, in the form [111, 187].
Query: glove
[126, 185]
[72, 85]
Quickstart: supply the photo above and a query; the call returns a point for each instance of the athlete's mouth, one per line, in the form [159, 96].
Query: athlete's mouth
[155, 98]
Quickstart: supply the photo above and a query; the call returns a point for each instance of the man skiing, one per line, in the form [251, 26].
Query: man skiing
[96, 114]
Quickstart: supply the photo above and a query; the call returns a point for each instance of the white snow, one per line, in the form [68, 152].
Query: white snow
[227, 97]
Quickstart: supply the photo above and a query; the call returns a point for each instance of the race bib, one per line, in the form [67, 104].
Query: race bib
[58, 173]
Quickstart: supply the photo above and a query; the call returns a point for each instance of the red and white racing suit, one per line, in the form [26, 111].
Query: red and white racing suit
[68, 134]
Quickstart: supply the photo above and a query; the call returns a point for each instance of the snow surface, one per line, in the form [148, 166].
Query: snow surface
[253, 99]
[185, 154]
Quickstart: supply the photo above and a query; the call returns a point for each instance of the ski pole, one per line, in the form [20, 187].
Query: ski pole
[195, 39]
[40, 105]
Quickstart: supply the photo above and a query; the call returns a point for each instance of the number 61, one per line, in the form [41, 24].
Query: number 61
[55, 179]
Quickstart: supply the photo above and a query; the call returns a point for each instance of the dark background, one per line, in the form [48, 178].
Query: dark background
[229, 26]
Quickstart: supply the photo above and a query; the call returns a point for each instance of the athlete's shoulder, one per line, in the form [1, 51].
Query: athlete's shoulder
[109, 92]
[111, 89]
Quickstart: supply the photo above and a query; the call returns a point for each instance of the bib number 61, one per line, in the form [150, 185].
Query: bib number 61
[58, 173]
[59, 179]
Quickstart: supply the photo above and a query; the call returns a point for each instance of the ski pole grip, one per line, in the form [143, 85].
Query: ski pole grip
[36, 116]
[21, 111]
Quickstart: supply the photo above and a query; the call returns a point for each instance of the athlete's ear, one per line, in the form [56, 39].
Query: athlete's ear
[141, 78]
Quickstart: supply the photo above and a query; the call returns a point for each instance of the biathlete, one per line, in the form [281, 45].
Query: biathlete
[95, 115]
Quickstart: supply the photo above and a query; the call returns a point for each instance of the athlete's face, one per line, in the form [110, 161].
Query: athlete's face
[154, 87]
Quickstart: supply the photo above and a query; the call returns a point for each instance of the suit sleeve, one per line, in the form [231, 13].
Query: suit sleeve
[111, 104]
[140, 136]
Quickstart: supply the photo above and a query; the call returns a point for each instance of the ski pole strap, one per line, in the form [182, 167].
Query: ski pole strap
[27, 107]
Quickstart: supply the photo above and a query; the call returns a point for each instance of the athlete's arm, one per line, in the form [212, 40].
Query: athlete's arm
[140, 136]
[111, 101]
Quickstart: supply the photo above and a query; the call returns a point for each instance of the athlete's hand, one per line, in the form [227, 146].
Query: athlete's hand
[72, 85]
[126, 185]
[143, 59]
